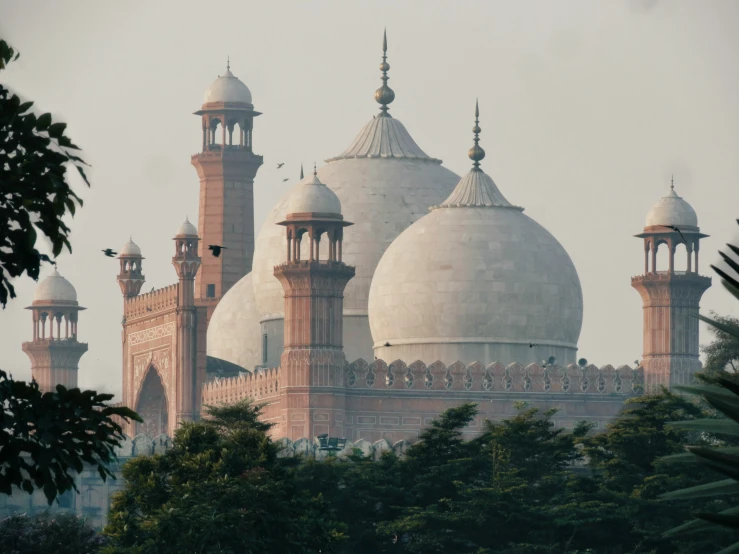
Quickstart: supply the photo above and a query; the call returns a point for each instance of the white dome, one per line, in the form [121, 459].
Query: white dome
[227, 88]
[55, 288]
[475, 280]
[672, 210]
[186, 229]
[233, 331]
[380, 195]
[313, 197]
[130, 249]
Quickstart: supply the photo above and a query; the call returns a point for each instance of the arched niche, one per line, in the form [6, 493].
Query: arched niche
[152, 405]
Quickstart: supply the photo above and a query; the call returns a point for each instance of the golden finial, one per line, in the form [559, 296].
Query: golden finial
[384, 95]
[476, 153]
[301, 171]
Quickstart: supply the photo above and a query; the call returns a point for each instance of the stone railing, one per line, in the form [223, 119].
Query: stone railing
[260, 385]
[158, 300]
[494, 377]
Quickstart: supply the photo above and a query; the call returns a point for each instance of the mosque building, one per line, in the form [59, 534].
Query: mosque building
[381, 290]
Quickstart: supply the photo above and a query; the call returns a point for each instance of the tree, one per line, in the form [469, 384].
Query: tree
[221, 488]
[48, 437]
[627, 461]
[34, 193]
[58, 533]
[723, 460]
[722, 355]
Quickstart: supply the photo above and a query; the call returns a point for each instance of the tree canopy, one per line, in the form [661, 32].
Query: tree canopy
[46, 438]
[221, 488]
[35, 196]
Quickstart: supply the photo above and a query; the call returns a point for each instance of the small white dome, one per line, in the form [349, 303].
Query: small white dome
[130, 249]
[227, 88]
[234, 332]
[187, 229]
[313, 197]
[672, 210]
[55, 288]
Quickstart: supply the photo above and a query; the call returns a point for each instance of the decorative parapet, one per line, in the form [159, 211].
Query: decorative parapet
[261, 385]
[312, 448]
[494, 377]
[146, 304]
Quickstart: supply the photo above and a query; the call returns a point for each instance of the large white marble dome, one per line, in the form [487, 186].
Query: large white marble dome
[475, 280]
[384, 182]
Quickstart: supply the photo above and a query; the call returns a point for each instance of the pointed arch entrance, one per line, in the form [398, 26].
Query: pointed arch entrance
[152, 405]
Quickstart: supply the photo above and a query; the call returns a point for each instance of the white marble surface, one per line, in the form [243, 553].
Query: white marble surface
[227, 88]
[234, 332]
[55, 288]
[672, 210]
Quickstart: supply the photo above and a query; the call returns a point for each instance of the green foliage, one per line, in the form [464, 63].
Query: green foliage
[47, 437]
[34, 193]
[722, 355]
[221, 488]
[724, 398]
[57, 533]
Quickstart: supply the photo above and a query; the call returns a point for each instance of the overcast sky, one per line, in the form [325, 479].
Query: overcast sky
[587, 108]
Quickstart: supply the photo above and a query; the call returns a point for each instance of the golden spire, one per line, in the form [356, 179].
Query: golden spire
[384, 95]
[476, 153]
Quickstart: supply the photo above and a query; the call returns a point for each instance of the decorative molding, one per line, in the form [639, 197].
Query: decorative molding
[153, 333]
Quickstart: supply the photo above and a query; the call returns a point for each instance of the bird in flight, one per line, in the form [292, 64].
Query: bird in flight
[280, 164]
[216, 249]
[675, 228]
[109, 252]
[285, 179]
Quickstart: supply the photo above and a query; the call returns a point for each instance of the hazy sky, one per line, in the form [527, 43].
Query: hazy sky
[587, 108]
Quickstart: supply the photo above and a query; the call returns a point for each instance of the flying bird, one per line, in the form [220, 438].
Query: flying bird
[109, 252]
[285, 179]
[216, 249]
[675, 228]
[280, 164]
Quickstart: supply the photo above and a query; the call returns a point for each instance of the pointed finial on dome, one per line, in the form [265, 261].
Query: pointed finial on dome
[228, 63]
[672, 182]
[315, 172]
[301, 171]
[384, 95]
[476, 153]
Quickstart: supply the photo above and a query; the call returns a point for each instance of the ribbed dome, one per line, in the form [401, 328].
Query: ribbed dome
[475, 280]
[186, 229]
[234, 332]
[55, 288]
[227, 88]
[382, 197]
[313, 197]
[130, 249]
[672, 210]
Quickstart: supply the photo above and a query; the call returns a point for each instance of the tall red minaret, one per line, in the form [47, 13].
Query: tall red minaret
[226, 166]
[671, 295]
[188, 380]
[314, 278]
[55, 351]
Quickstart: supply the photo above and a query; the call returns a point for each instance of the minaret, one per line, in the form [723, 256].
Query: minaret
[670, 297]
[312, 363]
[130, 278]
[54, 351]
[226, 167]
[187, 384]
